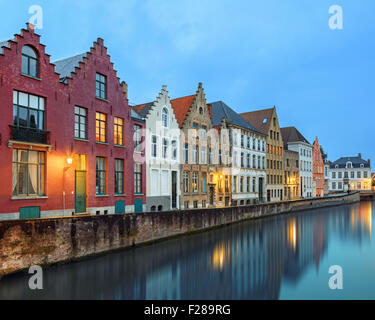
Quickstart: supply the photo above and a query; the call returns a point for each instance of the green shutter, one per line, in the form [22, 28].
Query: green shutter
[138, 206]
[119, 207]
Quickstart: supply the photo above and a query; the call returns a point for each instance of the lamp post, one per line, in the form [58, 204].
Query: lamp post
[69, 162]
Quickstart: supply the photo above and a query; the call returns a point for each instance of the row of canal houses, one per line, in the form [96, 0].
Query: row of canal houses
[71, 144]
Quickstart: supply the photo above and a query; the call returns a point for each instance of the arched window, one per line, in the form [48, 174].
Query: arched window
[30, 65]
[200, 110]
[164, 118]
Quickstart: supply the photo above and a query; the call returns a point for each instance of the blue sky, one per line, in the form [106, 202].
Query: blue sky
[250, 54]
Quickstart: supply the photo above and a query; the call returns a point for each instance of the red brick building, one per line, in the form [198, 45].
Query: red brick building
[66, 134]
[318, 170]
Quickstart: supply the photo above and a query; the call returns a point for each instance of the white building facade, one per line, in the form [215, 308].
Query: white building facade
[350, 173]
[248, 155]
[248, 167]
[162, 153]
[295, 141]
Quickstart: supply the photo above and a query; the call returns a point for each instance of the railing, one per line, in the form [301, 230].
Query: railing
[29, 135]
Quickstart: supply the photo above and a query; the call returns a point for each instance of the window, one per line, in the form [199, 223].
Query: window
[204, 182]
[165, 148]
[30, 65]
[254, 184]
[174, 150]
[204, 204]
[195, 204]
[226, 184]
[248, 184]
[154, 146]
[28, 173]
[333, 185]
[186, 153]
[333, 175]
[28, 110]
[186, 181]
[200, 110]
[101, 86]
[80, 123]
[203, 157]
[241, 184]
[101, 127]
[235, 186]
[195, 151]
[101, 176]
[186, 204]
[119, 176]
[164, 118]
[254, 161]
[195, 182]
[137, 138]
[204, 132]
[137, 178]
[359, 174]
[119, 131]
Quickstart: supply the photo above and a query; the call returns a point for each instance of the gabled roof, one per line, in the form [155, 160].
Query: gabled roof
[356, 162]
[143, 109]
[66, 66]
[181, 107]
[222, 111]
[3, 44]
[260, 119]
[291, 134]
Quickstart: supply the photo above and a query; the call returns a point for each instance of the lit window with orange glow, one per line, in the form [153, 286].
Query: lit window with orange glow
[101, 127]
[119, 131]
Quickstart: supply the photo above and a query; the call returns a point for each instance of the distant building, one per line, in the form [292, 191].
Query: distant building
[352, 173]
[248, 152]
[295, 141]
[326, 164]
[318, 170]
[266, 121]
[162, 153]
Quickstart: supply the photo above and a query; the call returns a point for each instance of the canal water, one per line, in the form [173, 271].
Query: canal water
[284, 257]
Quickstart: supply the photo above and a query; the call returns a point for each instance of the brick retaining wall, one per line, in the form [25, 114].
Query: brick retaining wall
[24, 243]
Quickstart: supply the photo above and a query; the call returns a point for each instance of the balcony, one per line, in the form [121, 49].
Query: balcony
[30, 135]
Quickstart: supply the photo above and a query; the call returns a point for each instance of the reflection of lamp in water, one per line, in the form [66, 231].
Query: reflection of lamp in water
[220, 256]
[292, 234]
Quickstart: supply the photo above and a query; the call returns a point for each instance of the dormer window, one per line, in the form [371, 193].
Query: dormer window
[362, 165]
[164, 117]
[336, 166]
[30, 64]
[349, 165]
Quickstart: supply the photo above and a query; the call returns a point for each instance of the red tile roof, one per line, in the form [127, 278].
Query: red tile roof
[181, 107]
[257, 119]
[139, 108]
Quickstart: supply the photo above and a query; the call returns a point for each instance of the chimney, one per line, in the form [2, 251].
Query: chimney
[124, 87]
[369, 163]
[360, 155]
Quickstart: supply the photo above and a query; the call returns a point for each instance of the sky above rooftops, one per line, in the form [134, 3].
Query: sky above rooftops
[248, 54]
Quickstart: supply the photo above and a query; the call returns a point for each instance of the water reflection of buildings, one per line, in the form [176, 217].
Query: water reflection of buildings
[243, 261]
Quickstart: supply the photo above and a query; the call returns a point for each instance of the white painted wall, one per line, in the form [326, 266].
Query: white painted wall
[305, 166]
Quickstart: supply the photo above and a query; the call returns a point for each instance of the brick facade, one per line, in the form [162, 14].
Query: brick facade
[49, 184]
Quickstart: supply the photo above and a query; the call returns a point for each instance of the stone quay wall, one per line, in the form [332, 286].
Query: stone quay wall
[24, 243]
